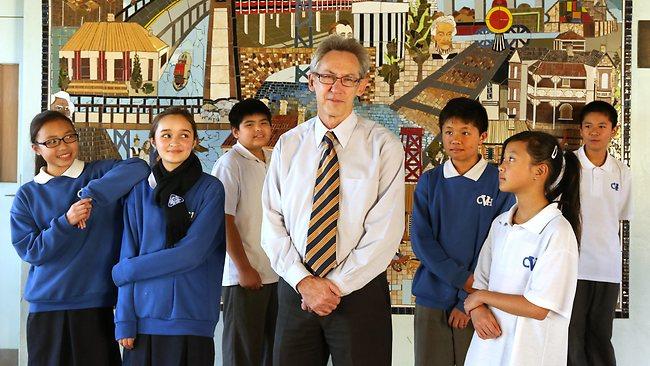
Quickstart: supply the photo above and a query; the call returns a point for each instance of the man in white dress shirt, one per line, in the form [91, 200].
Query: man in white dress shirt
[333, 217]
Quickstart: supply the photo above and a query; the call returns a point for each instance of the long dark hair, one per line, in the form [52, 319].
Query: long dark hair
[37, 123]
[545, 149]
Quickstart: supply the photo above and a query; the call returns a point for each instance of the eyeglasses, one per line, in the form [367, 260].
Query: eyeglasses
[329, 79]
[68, 139]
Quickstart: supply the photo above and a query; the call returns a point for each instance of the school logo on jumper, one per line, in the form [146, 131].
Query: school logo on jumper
[614, 186]
[174, 200]
[484, 200]
[529, 262]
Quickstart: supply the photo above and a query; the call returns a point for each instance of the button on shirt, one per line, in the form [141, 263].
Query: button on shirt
[371, 221]
[605, 198]
[242, 175]
[539, 260]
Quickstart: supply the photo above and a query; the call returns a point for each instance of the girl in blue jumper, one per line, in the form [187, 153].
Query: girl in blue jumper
[67, 224]
[173, 250]
[527, 271]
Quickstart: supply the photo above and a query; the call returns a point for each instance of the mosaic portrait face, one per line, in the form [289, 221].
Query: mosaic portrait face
[442, 35]
[344, 31]
[61, 105]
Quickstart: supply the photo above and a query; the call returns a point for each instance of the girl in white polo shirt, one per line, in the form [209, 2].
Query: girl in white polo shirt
[527, 270]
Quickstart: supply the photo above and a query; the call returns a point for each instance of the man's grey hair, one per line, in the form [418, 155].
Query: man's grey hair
[445, 19]
[337, 43]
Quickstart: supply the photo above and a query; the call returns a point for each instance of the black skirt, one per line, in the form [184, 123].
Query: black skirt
[72, 338]
[160, 350]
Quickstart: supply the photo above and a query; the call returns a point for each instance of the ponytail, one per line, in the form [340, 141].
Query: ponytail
[567, 192]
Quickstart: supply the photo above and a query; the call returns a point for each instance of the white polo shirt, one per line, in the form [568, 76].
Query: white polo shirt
[605, 199]
[242, 175]
[539, 260]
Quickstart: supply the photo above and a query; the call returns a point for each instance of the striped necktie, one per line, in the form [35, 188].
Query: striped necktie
[320, 255]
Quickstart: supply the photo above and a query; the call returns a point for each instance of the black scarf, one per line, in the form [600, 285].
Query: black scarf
[169, 192]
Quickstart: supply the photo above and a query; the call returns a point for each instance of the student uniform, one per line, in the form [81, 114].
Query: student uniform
[452, 214]
[249, 315]
[539, 260]
[69, 288]
[169, 299]
[605, 199]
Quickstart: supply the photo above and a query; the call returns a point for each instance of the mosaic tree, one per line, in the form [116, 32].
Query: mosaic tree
[392, 66]
[418, 34]
[64, 78]
[136, 74]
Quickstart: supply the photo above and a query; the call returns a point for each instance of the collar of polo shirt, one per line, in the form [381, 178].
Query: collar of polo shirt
[74, 171]
[537, 223]
[244, 152]
[449, 170]
[609, 164]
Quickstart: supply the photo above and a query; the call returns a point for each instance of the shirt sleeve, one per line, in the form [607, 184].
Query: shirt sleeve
[481, 272]
[227, 171]
[191, 251]
[552, 284]
[125, 316]
[424, 240]
[276, 242]
[484, 264]
[116, 182]
[383, 226]
[627, 207]
[460, 304]
[37, 246]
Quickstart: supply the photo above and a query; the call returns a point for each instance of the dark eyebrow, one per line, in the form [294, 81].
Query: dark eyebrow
[68, 132]
[252, 120]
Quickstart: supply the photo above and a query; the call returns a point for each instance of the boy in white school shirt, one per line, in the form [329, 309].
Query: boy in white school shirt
[250, 300]
[605, 200]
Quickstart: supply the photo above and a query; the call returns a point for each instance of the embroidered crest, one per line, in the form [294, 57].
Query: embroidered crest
[484, 200]
[529, 262]
[174, 200]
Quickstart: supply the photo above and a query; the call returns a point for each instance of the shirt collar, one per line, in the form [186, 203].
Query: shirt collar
[74, 171]
[343, 131]
[537, 223]
[244, 152]
[152, 181]
[586, 163]
[449, 170]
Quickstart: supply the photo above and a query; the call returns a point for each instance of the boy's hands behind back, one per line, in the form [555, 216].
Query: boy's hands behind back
[250, 279]
[458, 319]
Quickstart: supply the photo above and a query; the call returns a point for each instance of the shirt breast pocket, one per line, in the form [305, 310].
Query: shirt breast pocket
[357, 197]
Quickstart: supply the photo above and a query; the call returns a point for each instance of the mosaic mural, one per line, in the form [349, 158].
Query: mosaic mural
[533, 64]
